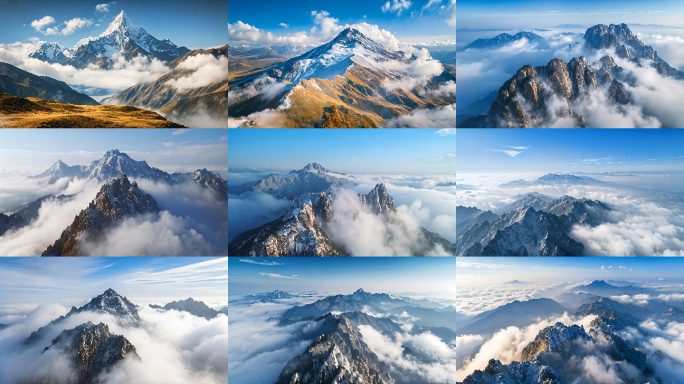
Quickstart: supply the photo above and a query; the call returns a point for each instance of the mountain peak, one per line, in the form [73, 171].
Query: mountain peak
[349, 32]
[379, 200]
[360, 291]
[121, 23]
[113, 152]
[314, 167]
[606, 36]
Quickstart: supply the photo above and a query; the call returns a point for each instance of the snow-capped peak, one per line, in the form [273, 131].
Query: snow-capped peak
[121, 24]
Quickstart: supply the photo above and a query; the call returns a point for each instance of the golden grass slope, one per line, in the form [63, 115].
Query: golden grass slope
[18, 112]
[355, 100]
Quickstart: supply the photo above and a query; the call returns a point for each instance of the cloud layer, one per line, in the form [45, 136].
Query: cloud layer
[174, 347]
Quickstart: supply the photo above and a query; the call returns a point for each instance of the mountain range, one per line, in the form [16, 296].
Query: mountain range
[43, 102]
[533, 225]
[538, 96]
[337, 351]
[161, 95]
[118, 199]
[554, 354]
[304, 229]
[191, 306]
[91, 348]
[343, 83]
[502, 40]
[17, 82]
[121, 38]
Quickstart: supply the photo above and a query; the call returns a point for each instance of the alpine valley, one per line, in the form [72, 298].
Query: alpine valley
[109, 339]
[350, 81]
[604, 77]
[570, 329]
[114, 206]
[314, 211]
[123, 77]
[359, 337]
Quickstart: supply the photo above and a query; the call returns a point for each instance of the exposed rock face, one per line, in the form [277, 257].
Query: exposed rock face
[553, 339]
[93, 349]
[554, 356]
[298, 233]
[115, 163]
[112, 303]
[18, 82]
[627, 46]
[109, 303]
[303, 230]
[524, 100]
[514, 373]
[10, 222]
[117, 200]
[379, 200]
[191, 306]
[338, 355]
[212, 181]
[537, 96]
[533, 226]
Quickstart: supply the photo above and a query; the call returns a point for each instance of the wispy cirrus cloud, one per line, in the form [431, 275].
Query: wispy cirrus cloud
[396, 6]
[258, 262]
[512, 150]
[279, 276]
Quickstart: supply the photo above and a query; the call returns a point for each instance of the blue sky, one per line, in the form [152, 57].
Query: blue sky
[195, 24]
[569, 150]
[69, 280]
[491, 271]
[529, 14]
[342, 275]
[357, 151]
[414, 22]
[168, 149]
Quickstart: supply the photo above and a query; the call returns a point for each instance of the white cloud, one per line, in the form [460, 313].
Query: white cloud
[283, 25]
[426, 118]
[173, 347]
[43, 22]
[205, 70]
[364, 233]
[122, 74]
[67, 28]
[279, 276]
[324, 28]
[512, 151]
[431, 3]
[446, 132]
[396, 6]
[257, 262]
[72, 25]
[261, 359]
[104, 8]
[438, 358]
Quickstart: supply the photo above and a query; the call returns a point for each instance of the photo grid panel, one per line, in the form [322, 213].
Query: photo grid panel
[114, 320]
[367, 320]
